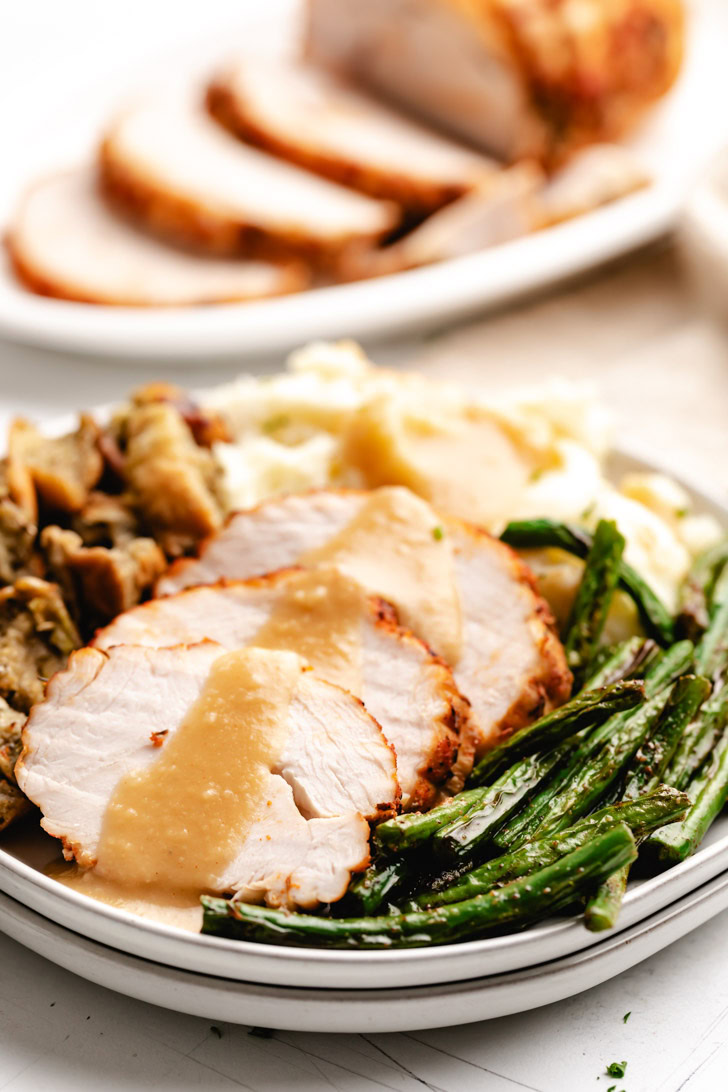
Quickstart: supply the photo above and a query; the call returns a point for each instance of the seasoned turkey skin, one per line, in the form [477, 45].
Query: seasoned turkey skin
[512, 666]
[518, 78]
[407, 689]
[181, 176]
[103, 714]
[63, 242]
[304, 115]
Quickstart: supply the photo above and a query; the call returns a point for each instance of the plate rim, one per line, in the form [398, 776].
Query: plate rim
[340, 1010]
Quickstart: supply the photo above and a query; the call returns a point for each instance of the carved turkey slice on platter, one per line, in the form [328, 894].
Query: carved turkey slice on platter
[305, 115]
[64, 242]
[517, 78]
[178, 173]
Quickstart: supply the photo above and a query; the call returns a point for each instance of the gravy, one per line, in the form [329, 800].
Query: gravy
[396, 547]
[462, 461]
[177, 824]
[320, 617]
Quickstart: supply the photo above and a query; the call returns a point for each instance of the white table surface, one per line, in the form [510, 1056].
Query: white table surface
[663, 368]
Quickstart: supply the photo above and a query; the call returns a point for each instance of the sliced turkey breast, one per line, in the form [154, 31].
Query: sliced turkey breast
[351, 639]
[474, 602]
[515, 77]
[182, 176]
[64, 242]
[427, 56]
[304, 115]
[595, 176]
[193, 769]
[501, 207]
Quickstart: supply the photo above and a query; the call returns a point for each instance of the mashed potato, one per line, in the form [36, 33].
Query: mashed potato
[334, 419]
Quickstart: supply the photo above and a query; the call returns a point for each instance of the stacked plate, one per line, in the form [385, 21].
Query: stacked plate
[304, 990]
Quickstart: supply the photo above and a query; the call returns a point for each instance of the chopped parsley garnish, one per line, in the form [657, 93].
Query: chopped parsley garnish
[536, 473]
[438, 533]
[681, 513]
[616, 1069]
[626, 1016]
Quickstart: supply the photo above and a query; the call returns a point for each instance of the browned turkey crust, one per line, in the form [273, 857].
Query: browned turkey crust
[57, 256]
[292, 279]
[142, 625]
[518, 78]
[537, 689]
[419, 192]
[503, 206]
[551, 685]
[209, 228]
[591, 78]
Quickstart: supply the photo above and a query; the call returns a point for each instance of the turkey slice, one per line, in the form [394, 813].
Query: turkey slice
[508, 661]
[518, 78]
[308, 117]
[181, 175]
[351, 639]
[502, 207]
[64, 242]
[109, 722]
[433, 58]
[594, 177]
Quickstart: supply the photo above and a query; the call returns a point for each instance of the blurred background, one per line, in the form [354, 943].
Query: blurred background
[634, 324]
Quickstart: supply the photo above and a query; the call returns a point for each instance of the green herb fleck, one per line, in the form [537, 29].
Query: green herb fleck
[681, 513]
[438, 533]
[280, 420]
[626, 1016]
[536, 473]
[588, 511]
[611, 1088]
[616, 1069]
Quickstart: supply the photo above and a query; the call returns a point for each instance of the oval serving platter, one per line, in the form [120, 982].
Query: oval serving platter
[23, 859]
[409, 301]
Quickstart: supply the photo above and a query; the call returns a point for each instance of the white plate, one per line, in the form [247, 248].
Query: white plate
[675, 142]
[21, 876]
[362, 1010]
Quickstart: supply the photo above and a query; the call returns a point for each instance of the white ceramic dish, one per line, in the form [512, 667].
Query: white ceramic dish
[678, 138]
[341, 1010]
[21, 877]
